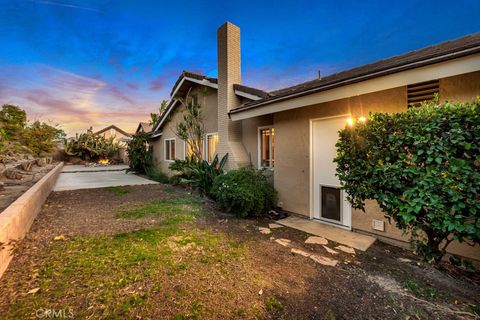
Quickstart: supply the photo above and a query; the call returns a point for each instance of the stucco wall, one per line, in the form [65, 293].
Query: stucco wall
[292, 175]
[460, 88]
[207, 98]
[292, 141]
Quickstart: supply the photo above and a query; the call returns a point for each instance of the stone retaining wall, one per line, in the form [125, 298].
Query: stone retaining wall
[16, 219]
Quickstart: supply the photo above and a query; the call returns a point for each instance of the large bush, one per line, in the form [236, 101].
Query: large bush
[91, 146]
[245, 192]
[12, 122]
[41, 137]
[423, 169]
[139, 155]
[198, 174]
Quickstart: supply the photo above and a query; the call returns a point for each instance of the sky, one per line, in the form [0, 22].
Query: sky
[82, 63]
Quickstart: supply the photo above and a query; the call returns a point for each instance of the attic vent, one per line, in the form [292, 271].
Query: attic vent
[423, 91]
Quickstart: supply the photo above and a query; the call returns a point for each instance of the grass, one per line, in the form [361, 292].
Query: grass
[272, 304]
[120, 276]
[118, 190]
[177, 210]
[427, 293]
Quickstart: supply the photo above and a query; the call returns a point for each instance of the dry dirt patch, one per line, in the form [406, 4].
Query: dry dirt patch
[156, 252]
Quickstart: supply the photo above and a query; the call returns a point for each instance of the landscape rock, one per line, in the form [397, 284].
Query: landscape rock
[26, 165]
[41, 162]
[324, 260]
[283, 242]
[345, 249]
[300, 252]
[13, 174]
[264, 230]
[316, 240]
[274, 225]
[331, 251]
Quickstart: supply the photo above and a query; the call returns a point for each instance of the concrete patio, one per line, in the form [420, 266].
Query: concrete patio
[81, 177]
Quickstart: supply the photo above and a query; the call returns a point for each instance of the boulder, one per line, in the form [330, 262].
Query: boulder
[41, 162]
[26, 165]
[13, 174]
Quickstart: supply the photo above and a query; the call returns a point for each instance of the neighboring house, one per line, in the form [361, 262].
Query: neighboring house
[143, 127]
[120, 136]
[293, 131]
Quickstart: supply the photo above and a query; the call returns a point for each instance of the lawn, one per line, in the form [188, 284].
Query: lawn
[157, 252]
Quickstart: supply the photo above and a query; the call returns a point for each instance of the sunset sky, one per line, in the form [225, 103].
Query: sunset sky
[96, 63]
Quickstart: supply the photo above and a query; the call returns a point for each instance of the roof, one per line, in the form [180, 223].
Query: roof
[240, 90]
[192, 75]
[249, 90]
[116, 128]
[452, 49]
[145, 126]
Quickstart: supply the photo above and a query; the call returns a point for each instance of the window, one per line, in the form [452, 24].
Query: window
[188, 150]
[211, 146]
[266, 147]
[113, 132]
[420, 92]
[169, 149]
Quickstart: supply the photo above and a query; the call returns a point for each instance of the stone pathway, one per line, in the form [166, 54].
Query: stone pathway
[315, 240]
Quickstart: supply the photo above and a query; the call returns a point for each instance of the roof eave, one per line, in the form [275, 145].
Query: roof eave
[413, 65]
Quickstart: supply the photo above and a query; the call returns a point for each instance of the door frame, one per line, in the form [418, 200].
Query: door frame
[311, 177]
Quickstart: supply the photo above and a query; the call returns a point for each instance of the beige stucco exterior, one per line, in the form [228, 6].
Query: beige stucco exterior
[207, 98]
[291, 115]
[292, 151]
[292, 136]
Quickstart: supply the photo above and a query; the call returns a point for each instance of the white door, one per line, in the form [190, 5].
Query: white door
[329, 202]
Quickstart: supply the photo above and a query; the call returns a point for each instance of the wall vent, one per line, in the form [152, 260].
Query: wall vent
[423, 91]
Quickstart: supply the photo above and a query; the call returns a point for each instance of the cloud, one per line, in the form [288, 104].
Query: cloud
[118, 94]
[65, 5]
[157, 84]
[132, 86]
[74, 101]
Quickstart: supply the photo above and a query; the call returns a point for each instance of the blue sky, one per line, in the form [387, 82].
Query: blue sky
[81, 63]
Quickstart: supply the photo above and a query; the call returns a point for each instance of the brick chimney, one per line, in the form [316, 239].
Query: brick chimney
[229, 73]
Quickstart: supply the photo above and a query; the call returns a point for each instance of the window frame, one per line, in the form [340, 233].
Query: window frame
[165, 150]
[205, 142]
[259, 144]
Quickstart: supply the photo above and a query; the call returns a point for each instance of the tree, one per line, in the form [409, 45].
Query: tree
[155, 117]
[139, 155]
[423, 169]
[40, 137]
[190, 129]
[12, 122]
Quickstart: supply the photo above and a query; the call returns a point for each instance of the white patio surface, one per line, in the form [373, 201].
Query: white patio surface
[81, 177]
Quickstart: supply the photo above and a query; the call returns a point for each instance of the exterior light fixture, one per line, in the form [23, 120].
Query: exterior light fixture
[362, 119]
[350, 121]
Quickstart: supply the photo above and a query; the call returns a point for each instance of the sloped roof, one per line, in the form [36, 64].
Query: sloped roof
[116, 128]
[145, 126]
[203, 80]
[448, 50]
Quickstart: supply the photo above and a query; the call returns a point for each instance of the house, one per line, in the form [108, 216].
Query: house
[118, 134]
[293, 131]
[143, 127]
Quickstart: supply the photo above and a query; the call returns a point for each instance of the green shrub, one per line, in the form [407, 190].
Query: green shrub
[91, 146]
[423, 169]
[199, 174]
[139, 155]
[245, 192]
[156, 174]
